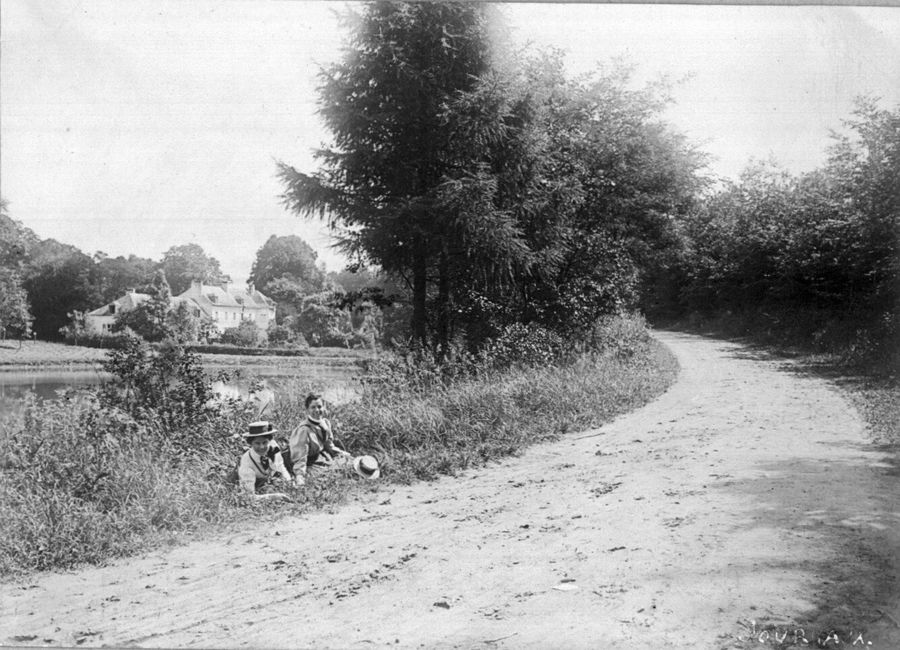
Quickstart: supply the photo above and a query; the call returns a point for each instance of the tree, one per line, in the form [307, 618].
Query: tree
[322, 323]
[187, 263]
[386, 105]
[591, 178]
[247, 335]
[151, 319]
[113, 276]
[15, 240]
[285, 270]
[15, 317]
[57, 278]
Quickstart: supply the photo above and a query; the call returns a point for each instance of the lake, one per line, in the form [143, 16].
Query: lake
[336, 381]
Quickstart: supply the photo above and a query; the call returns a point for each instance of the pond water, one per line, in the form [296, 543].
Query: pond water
[336, 382]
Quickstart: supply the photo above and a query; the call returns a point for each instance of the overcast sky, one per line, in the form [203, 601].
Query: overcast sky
[132, 127]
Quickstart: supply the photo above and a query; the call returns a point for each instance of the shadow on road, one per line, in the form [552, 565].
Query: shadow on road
[854, 586]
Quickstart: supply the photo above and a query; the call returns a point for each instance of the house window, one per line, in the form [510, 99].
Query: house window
[112, 308]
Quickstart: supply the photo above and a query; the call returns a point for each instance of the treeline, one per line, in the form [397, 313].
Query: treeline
[43, 282]
[46, 287]
[507, 195]
[500, 199]
[815, 256]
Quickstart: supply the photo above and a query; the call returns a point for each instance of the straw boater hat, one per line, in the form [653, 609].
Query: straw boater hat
[366, 466]
[260, 428]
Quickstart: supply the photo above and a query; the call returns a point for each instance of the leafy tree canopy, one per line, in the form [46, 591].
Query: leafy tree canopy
[290, 260]
[187, 263]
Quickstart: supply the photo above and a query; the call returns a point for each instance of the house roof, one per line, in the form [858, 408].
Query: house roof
[211, 296]
[129, 301]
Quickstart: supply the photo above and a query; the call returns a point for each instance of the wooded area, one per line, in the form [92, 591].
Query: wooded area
[480, 191]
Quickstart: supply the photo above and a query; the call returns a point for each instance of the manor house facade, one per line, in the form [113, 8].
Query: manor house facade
[224, 305]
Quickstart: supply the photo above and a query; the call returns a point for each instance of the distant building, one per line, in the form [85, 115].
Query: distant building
[227, 305]
[224, 305]
[100, 320]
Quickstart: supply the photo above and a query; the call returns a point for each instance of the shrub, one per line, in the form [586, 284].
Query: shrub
[89, 340]
[420, 422]
[524, 344]
[247, 335]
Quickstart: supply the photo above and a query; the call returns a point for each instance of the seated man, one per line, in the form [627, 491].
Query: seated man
[312, 441]
[262, 463]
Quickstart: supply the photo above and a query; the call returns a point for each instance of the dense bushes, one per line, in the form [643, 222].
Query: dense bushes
[815, 256]
[421, 422]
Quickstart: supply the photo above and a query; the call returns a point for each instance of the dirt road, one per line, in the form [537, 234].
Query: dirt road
[737, 508]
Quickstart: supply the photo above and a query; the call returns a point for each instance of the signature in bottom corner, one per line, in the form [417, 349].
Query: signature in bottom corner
[798, 636]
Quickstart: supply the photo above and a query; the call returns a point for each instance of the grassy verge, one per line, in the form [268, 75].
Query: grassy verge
[83, 482]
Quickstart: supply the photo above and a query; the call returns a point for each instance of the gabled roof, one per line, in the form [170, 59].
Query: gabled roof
[211, 296]
[129, 301]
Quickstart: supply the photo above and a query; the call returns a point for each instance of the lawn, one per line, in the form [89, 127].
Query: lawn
[41, 353]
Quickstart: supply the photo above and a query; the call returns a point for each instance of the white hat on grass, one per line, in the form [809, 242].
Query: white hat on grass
[367, 467]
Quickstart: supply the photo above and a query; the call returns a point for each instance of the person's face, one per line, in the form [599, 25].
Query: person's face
[260, 444]
[316, 409]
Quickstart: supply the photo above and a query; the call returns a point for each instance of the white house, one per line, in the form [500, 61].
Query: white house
[227, 305]
[101, 319]
[224, 305]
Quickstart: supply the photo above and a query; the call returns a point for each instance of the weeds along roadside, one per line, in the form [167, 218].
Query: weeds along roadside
[90, 476]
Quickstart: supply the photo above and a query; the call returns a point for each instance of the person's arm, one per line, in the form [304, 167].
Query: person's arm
[299, 444]
[278, 464]
[329, 439]
[246, 475]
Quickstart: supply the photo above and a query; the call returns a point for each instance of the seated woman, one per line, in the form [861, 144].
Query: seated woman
[262, 464]
[312, 441]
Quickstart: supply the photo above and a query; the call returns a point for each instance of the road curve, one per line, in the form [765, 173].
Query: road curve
[744, 501]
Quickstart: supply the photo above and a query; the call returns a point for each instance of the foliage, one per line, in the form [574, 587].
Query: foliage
[421, 423]
[284, 336]
[16, 240]
[15, 316]
[534, 198]
[247, 334]
[386, 105]
[321, 324]
[822, 247]
[188, 263]
[111, 277]
[111, 472]
[285, 270]
[185, 327]
[167, 382]
[57, 278]
[150, 319]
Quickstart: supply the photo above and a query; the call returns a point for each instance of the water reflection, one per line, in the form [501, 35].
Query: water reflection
[46, 383]
[336, 382]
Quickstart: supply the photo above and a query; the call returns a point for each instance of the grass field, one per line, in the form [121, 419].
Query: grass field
[36, 354]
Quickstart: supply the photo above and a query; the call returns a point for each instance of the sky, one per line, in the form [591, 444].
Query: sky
[129, 128]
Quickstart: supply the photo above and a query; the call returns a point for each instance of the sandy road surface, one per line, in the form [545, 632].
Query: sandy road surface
[745, 493]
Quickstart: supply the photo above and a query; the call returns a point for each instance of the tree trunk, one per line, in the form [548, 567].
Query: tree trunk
[420, 290]
[443, 306]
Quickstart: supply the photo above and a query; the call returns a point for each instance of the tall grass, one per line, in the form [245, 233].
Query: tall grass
[84, 481]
